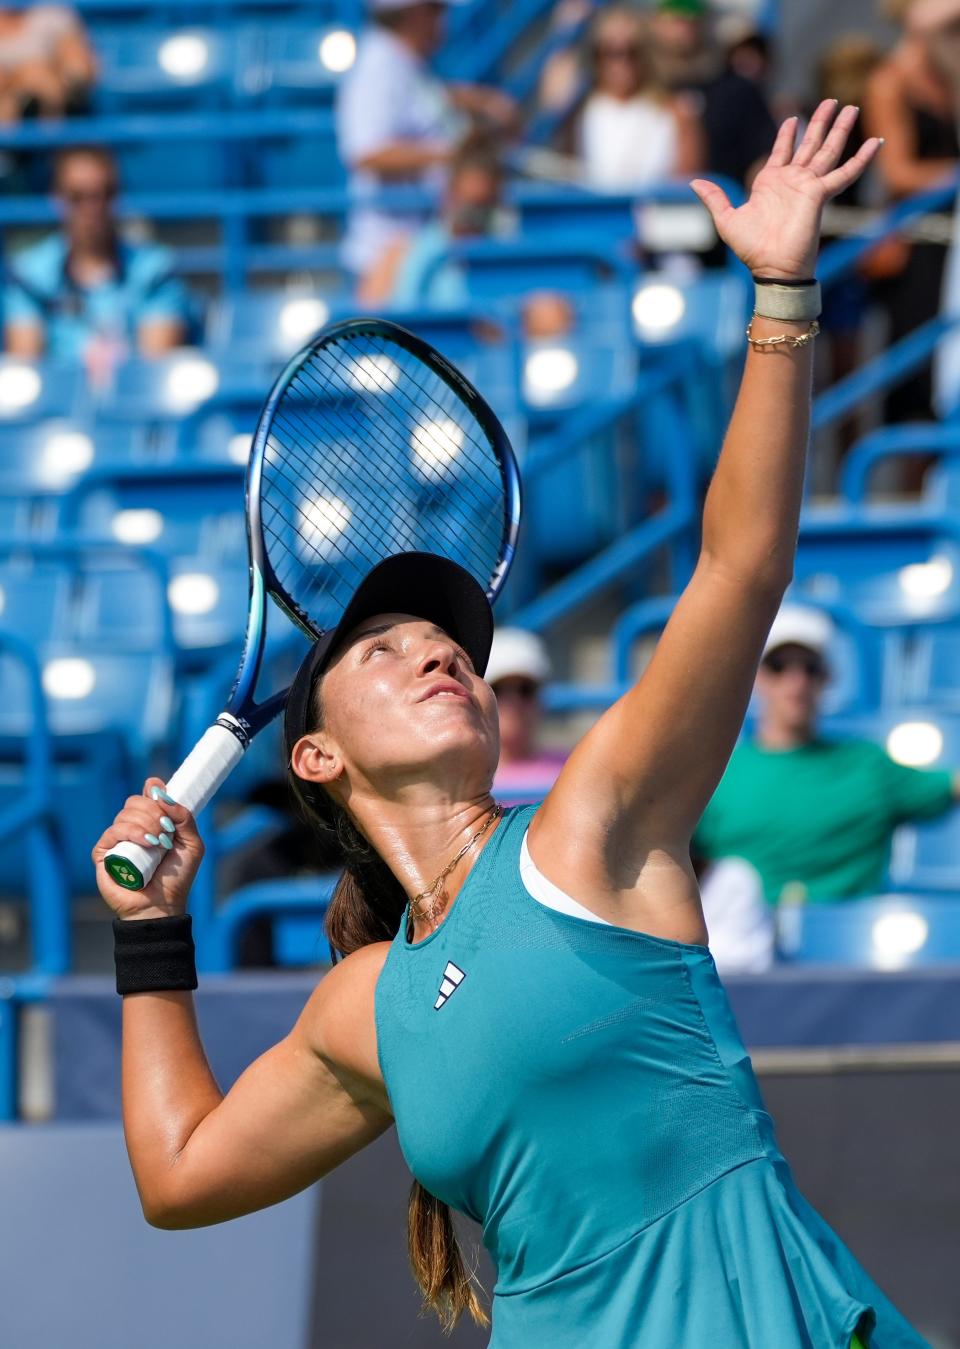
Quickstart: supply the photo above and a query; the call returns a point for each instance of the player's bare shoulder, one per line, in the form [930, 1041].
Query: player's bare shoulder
[339, 1019]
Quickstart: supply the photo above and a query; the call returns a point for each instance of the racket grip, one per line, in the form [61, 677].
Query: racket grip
[196, 781]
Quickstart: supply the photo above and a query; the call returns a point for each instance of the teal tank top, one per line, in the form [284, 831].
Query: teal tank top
[582, 1093]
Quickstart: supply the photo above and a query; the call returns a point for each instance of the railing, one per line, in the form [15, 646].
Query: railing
[912, 439]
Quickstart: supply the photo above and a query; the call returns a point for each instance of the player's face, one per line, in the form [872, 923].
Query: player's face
[402, 703]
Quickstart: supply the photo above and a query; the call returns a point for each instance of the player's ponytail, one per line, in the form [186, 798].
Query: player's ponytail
[448, 1287]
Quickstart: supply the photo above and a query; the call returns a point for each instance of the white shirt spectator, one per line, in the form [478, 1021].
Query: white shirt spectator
[739, 920]
[390, 95]
[626, 144]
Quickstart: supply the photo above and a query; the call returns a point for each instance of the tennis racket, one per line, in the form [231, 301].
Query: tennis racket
[370, 444]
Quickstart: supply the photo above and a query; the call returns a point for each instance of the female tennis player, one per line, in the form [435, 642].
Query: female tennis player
[528, 994]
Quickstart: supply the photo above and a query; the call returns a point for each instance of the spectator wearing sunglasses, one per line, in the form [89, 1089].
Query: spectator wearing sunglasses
[738, 124]
[632, 131]
[813, 815]
[84, 293]
[517, 671]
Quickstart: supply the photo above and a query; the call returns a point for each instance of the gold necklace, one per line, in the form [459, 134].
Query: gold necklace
[436, 892]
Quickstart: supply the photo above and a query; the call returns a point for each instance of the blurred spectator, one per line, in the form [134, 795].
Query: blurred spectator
[546, 315]
[737, 121]
[738, 918]
[517, 670]
[748, 51]
[632, 131]
[47, 68]
[85, 294]
[912, 100]
[814, 816]
[416, 271]
[397, 123]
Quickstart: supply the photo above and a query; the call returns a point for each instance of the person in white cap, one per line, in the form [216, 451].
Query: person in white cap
[517, 671]
[397, 123]
[814, 816]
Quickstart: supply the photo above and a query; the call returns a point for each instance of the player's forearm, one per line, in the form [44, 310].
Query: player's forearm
[168, 1088]
[753, 505]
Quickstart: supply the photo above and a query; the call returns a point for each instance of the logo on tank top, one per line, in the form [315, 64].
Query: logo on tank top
[453, 977]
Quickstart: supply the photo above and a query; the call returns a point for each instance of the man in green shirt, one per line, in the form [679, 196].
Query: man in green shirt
[814, 816]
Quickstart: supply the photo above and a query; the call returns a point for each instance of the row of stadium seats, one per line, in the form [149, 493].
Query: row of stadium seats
[207, 68]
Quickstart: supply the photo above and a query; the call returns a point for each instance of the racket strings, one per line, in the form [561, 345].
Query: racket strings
[433, 487]
[331, 508]
[406, 540]
[450, 410]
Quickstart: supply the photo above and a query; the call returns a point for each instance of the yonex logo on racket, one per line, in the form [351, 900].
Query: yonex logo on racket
[453, 977]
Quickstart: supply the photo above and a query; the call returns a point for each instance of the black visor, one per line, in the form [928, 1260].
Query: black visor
[423, 584]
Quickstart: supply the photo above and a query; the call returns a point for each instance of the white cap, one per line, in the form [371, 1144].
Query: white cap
[391, 6]
[519, 653]
[796, 625]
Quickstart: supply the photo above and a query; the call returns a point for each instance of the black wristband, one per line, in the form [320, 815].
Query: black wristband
[780, 281]
[154, 955]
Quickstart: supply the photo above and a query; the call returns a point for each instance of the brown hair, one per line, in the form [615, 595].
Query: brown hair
[368, 906]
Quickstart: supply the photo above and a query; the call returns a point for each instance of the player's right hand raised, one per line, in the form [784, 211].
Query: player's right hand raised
[145, 819]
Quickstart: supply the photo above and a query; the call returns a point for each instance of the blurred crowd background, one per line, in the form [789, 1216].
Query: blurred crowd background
[189, 191]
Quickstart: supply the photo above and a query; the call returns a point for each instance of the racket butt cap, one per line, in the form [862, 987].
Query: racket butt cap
[123, 872]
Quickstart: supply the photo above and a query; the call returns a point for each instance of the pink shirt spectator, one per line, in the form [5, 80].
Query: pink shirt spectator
[526, 781]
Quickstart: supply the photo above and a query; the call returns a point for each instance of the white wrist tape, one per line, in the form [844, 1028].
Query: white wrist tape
[794, 304]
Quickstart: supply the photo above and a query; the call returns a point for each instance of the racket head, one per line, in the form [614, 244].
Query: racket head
[371, 444]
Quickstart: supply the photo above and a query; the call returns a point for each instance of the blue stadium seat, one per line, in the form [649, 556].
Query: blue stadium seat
[110, 715]
[157, 165]
[935, 667]
[186, 383]
[891, 933]
[285, 161]
[257, 326]
[897, 565]
[218, 438]
[209, 604]
[169, 67]
[33, 391]
[297, 907]
[189, 511]
[32, 859]
[573, 370]
[51, 455]
[305, 62]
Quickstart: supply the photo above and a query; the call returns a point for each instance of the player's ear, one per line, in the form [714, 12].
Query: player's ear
[316, 759]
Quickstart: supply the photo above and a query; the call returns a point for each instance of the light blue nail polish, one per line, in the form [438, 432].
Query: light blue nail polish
[166, 841]
[159, 794]
[152, 839]
[167, 825]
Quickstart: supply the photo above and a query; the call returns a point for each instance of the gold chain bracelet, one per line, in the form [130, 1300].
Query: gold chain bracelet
[783, 339]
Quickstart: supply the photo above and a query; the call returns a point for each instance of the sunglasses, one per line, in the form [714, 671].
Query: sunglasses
[812, 666]
[525, 689]
[79, 196]
[611, 53]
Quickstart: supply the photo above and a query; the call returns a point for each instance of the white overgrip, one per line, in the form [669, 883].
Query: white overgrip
[196, 781]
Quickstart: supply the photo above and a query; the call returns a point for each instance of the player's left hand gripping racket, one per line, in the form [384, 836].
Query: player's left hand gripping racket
[370, 444]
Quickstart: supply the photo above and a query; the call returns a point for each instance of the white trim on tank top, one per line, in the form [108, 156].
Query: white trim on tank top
[546, 893]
